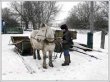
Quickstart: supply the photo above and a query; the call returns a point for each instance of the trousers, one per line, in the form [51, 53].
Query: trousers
[66, 53]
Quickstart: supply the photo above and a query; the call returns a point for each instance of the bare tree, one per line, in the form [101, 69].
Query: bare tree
[79, 17]
[82, 13]
[8, 17]
[20, 9]
[105, 8]
[6, 13]
[104, 12]
[36, 12]
[44, 11]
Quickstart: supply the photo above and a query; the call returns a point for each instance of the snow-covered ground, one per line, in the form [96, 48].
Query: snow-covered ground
[82, 67]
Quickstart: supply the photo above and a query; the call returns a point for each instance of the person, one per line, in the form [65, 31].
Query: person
[66, 44]
[3, 27]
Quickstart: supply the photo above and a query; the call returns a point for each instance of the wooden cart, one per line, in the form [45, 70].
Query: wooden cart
[22, 44]
[58, 36]
[59, 33]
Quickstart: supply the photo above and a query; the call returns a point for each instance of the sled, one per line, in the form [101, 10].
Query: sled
[22, 44]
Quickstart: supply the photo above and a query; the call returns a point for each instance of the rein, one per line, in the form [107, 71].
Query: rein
[48, 38]
[45, 40]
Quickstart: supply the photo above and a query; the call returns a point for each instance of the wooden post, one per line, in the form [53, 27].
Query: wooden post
[91, 20]
[103, 39]
[21, 14]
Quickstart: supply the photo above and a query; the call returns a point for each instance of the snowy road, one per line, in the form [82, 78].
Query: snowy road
[82, 67]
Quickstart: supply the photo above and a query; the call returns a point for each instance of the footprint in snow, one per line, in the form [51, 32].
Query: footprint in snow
[58, 69]
[10, 72]
[43, 70]
[79, 64]
[4, 74]
[39, 67]
[89, 60]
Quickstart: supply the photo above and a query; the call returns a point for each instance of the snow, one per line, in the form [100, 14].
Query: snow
[82, 67]
[82, 38]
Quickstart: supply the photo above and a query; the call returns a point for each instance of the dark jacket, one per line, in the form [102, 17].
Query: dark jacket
[67, 41]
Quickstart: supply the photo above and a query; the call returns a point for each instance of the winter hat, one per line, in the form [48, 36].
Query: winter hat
[64, 26]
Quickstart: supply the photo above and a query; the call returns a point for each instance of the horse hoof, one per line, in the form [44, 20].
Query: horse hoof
[34, 58]
[51, 65]
[39, 58]
[44, 67]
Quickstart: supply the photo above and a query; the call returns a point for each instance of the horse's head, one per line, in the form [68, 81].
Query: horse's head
[45, 33]
[49, 34]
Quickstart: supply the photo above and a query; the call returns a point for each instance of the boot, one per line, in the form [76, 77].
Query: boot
[66, 62]
[69, 59]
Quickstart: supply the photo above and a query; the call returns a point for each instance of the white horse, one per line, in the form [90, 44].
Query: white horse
[43, 39]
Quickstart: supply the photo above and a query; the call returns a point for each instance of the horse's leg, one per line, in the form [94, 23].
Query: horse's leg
[50, 59]
[44, 59]
[34, 54]
[38, 55]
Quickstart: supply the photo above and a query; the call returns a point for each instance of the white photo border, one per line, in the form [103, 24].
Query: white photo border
[53, 80]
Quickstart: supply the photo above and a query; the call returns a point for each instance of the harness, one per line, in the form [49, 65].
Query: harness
[45, 40]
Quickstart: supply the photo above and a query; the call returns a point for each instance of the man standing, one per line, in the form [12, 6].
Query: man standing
[3, 27]
[66, 43]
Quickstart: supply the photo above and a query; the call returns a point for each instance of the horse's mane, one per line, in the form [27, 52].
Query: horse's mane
[50, 33]
[44, 32]
[48, 30]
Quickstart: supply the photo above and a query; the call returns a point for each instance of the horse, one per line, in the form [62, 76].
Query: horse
[43, 39]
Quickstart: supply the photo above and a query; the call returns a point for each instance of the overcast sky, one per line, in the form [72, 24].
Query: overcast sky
[65, 9]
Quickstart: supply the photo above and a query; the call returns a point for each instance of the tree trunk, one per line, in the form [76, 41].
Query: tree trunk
[103, 39]
[38, 25]
[91, 21]
[34, 26]
[26, 25]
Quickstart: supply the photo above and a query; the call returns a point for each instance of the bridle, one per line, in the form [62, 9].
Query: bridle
[45, 40]
[48, 38]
